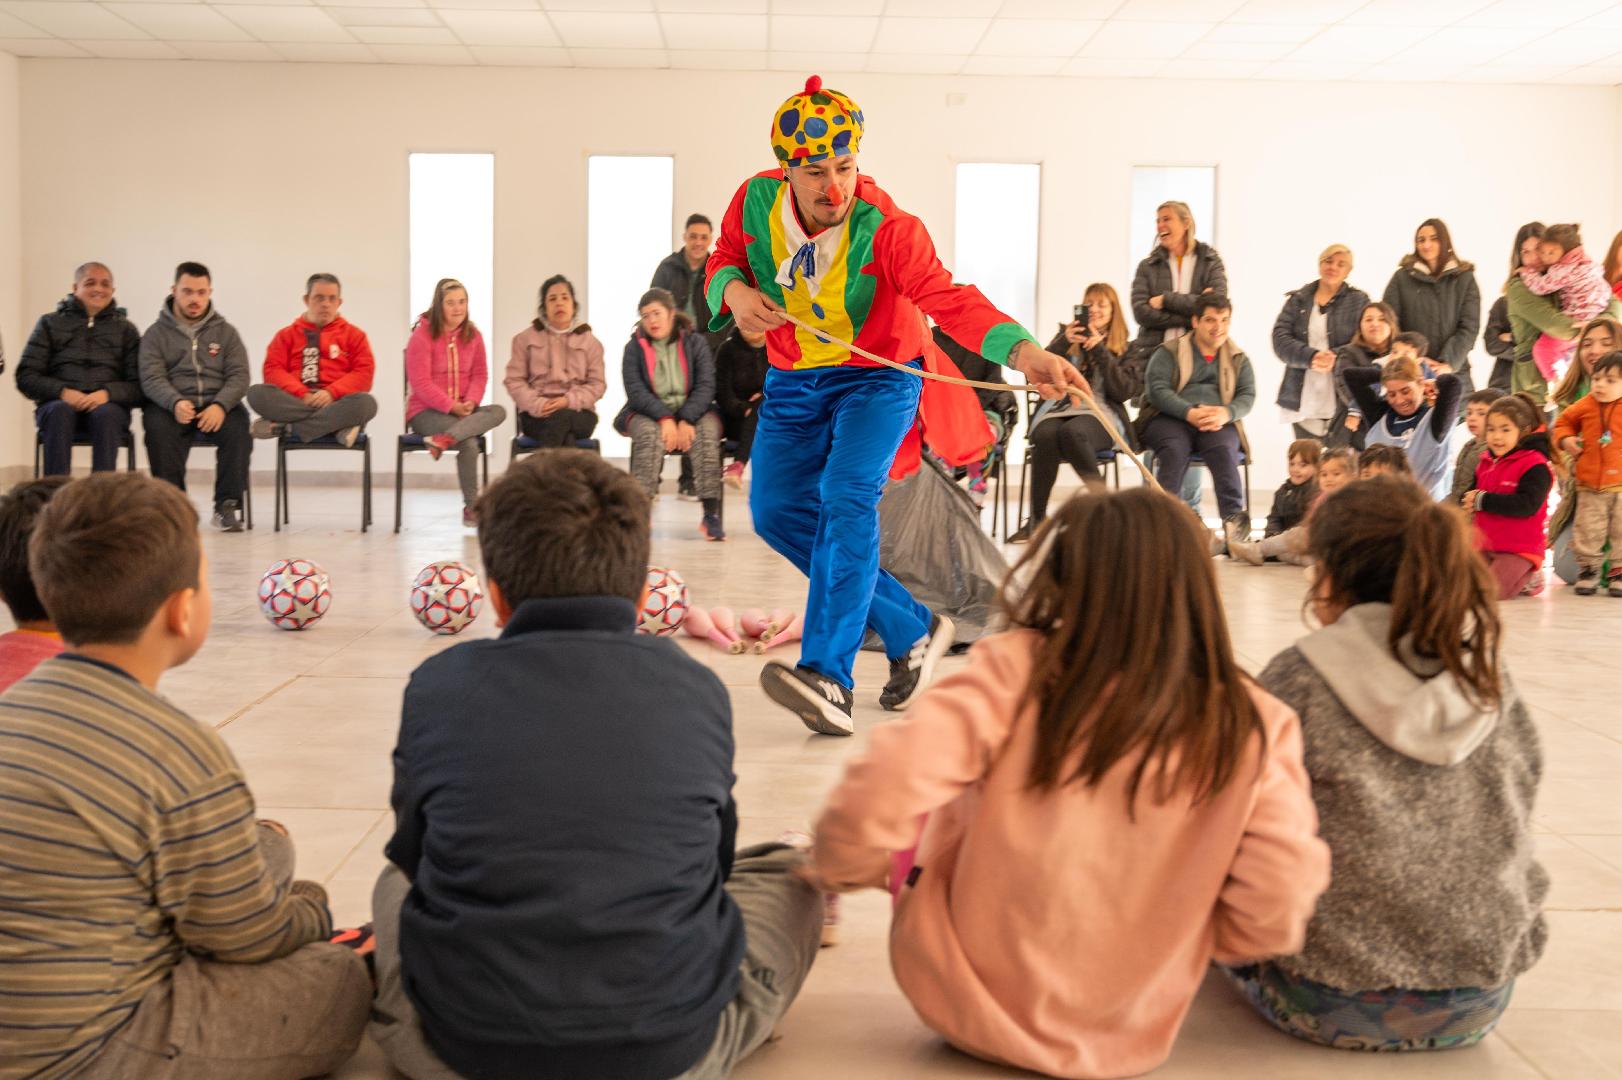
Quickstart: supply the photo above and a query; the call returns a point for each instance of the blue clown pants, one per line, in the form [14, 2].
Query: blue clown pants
[823, 449]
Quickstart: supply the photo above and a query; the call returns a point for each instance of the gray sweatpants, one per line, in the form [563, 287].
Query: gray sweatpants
[782, 919]
[648, 455]
[464, 429]
[306, 421]
[285, 1019]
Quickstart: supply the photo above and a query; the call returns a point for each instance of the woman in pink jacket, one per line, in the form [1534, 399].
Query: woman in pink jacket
[555, 375]
[1109, 804]
[447, 373]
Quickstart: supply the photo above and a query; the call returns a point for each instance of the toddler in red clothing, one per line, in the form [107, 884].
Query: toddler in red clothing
[1509, 498]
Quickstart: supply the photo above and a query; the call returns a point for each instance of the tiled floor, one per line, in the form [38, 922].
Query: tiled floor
[312, 717]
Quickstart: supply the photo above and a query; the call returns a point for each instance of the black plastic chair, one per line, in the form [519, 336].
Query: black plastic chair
[411, 443]
[1244, 466]
[127, 442]
[1106, 456]
[289, 443]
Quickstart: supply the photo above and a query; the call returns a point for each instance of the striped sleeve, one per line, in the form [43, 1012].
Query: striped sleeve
[211, 879]
[729, 261]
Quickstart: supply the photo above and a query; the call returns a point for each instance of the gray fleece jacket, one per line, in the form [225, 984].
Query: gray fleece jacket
[205, 364]
[1424, 801]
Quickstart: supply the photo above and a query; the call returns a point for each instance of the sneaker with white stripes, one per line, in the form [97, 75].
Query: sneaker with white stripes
[821, 703]
[910, 674]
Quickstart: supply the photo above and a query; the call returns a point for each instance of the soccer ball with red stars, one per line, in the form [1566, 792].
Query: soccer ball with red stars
[664, 607]
[294, 594]
[446, 597]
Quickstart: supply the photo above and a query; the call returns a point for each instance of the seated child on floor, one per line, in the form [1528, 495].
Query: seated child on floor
[1509, 498]
[35, 638]
[1475, 419]
[1383, 459]
[1591, 432]
[1336, 469]
[151, 926]
[1186, 794]
[562, 897]
[1295, 496]
[1425, 765]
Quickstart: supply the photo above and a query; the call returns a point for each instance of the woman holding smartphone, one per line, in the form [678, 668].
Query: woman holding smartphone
[1069, 431]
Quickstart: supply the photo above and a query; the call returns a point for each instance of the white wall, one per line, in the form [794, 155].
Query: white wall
[16, 424]
[268, 172]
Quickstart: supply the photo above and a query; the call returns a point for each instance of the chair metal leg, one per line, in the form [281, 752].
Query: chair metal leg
[399, 482]
[366, 489]
[1024, 483]
[247, 501]
[281, 489]
[130, 446]
[484, 463]
[39, 458]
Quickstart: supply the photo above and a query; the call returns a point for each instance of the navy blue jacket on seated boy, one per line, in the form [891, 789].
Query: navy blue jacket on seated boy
[563, 899]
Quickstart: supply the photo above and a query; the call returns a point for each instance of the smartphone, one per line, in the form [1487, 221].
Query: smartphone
[1083, 315]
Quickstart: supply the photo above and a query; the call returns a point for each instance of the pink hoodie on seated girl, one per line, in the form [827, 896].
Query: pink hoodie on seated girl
[1051, 931]
[443, 371]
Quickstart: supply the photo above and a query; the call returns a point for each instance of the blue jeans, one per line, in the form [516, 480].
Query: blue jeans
[823, 449]
[59, 423]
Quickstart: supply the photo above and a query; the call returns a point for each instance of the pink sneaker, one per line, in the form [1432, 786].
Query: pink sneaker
[438, 444]
[734, 474]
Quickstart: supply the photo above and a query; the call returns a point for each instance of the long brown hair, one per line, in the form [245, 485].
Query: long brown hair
[1386, 541]
[1116, 336]
[1566, 394]
[1445, 239]
[1532, 229]
[1613, 260]
[436, 312]
[1166, 689]
[1391, 321]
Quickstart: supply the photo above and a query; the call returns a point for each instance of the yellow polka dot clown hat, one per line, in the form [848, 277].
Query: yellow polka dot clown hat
[815, 125]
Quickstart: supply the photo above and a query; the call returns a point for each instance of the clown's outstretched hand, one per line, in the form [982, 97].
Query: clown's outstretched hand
[1050, 374]
[751, 309]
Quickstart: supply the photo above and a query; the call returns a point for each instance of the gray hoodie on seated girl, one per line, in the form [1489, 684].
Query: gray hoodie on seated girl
[1425, 801]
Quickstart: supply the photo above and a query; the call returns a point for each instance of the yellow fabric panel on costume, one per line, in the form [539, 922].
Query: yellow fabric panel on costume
[826, 308]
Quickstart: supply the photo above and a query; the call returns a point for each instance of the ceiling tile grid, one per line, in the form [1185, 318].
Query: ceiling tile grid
[1563, 42]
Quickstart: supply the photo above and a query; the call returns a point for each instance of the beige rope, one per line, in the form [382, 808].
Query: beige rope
[1075, 391]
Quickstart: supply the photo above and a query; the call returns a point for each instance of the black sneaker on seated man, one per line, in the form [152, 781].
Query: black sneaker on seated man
[911, 674]
[821, 703]
[227, 518]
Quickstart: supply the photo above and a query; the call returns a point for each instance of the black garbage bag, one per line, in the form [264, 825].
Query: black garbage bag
[930, 539]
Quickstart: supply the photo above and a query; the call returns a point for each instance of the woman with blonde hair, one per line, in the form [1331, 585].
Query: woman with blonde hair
[1170, 278]
[1317, 319]
[1066, 430]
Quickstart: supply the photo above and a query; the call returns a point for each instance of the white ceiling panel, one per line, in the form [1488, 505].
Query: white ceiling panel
[181, 22]
[269, 22]
[519, 56]
[514, 29]
[1036, 37]
[725, 32]
[234, 52]
[1566, 41]
[1142, 40]
[599, 30]
[386, 16]
[73, 20]
[914, 36]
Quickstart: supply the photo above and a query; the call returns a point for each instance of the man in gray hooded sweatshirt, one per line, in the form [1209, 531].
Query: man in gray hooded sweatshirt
[194, 372]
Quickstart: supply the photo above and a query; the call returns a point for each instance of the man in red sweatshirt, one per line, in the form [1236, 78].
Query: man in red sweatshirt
[317, 373]
[818, 240]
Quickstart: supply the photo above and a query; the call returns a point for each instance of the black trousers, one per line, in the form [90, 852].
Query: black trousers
[1073, 440]
[169, 444]
[59, 423]
[563, 428]
[740, 427]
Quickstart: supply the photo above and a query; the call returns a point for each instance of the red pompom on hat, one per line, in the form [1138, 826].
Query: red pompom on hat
[812, 85]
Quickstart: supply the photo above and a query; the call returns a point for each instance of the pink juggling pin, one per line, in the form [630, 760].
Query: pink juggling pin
[753, 622]
[791, 632]
[727, 623]
[699, 625]
[778, 621]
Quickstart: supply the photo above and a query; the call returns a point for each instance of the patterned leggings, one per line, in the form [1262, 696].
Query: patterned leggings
[648, 455]
[1375, 1020]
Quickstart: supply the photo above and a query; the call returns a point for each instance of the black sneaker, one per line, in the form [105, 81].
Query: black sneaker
[1587, 583]
[1615, 586]
[710, 526]
[821, 703]
[1023, 534]
[910, 674]
[226, 516]
[685, 491]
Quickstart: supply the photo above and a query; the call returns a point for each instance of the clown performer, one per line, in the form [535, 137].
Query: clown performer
[820, 241]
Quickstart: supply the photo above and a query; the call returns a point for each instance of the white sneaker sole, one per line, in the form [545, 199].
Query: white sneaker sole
[814, 711]
[940, 643]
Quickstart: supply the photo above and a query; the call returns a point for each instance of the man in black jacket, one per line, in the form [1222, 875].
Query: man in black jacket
[79, 366]
[563, 898]
[194, 371]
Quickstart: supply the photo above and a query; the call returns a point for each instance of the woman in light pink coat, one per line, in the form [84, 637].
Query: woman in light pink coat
[555, 375]
[1109, 805]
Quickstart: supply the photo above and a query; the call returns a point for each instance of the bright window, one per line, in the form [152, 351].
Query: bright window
[1155, 184]
[998, 207]
[453, 233]
[628, 214]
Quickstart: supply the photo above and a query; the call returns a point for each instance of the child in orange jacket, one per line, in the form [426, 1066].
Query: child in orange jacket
[1591, 432]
